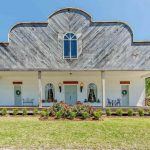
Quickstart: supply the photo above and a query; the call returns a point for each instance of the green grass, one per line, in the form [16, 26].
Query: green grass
[112, 133]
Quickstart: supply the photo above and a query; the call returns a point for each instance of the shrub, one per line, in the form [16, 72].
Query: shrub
[15, 111]
[85, 115]
[80, 108]
[4, 112]
[119, 112]
[72, 115]
[108, 111]
[60, 107]
[64, 108]
[97, 114]
[59, 114]
[24, 112]
[52, 112]
[130, 112]
[141, 112]
[149, 112]
[35, 111]
[44, 114]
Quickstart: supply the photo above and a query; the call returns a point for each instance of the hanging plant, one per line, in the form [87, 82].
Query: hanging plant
[18, 92]
[124, 92]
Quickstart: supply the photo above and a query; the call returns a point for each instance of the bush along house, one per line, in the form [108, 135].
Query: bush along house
[73, 59]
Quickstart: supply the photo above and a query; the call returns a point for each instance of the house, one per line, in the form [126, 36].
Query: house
[70, 58]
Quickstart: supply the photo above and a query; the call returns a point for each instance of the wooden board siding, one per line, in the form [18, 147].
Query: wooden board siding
[101, 45]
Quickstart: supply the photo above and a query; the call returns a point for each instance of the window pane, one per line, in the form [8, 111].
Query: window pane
[49, 93]
[92, 95]
[92, 92]
[71, 35]
[73, 49]
[66, 49]
[66, 38]
[68, 35]
[74, 37]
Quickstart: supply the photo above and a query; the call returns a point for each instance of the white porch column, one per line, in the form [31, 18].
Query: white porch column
[103, 89]
[40, 88]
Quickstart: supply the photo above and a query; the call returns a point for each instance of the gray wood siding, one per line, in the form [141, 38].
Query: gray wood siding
[101, 45]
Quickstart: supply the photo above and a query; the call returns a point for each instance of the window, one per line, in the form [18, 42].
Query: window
[49, 92]
[70, 46]
[92, 92]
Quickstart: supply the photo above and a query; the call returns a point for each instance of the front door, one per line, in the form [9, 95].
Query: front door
[71, 94]
[125, 95]
[17, 95]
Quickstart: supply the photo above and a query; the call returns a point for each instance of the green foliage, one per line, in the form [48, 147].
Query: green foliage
[24, 112]
[52, 112]
[59, 114]
[44, 113]
[130, 112]
[119, 112]
[4, 112]
[72, 115]
[149, 112]
[108, 111]
[97, 114]
[147, 87]
[15, 111]
[80, 108]
[59, 107]
[141, 112]
[35, 111]
[85, 115]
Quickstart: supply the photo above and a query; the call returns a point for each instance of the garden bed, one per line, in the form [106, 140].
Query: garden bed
[77, 112]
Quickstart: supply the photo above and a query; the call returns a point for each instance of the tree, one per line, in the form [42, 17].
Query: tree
[147, 80]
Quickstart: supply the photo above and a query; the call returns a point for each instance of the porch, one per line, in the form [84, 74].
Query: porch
[95, 88]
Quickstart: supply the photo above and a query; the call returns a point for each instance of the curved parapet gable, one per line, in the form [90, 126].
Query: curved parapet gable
[101, 45]
[72, 10]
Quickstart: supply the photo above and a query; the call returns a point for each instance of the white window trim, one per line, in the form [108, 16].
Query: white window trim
[70, 58]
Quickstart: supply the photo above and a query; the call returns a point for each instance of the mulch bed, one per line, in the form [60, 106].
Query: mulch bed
[65, 119]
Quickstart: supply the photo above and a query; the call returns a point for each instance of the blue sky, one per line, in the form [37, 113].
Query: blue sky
[134, 12]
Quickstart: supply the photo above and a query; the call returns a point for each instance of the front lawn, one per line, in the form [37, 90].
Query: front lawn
[112, 133]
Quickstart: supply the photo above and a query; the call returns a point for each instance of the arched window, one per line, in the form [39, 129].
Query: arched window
[49, 92]
[70, 46]
[92, 92]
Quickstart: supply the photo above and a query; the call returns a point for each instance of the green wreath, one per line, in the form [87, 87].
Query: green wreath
[18, 92]
[124, 92]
